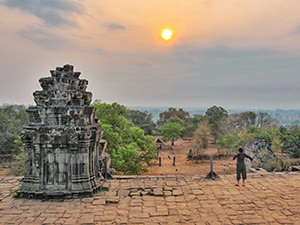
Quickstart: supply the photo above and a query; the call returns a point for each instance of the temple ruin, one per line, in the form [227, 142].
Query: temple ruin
[63, 145]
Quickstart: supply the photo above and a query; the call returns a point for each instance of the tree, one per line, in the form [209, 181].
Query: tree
[129, 148]
[12, 120]
[250, 119]
[142, 120]
[171, 131]
[264, 120]
[201, 137]
[172, 112]
[191, 125]
[176, 119]
[215, 115]
[243, 120]
[230, 141]
[109, 113]
[291, 141]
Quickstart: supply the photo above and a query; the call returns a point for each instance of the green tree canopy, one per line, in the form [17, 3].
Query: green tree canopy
[109, 113]
[142, 120]
[171, 131]
[215, 115]
[176, 119]
[127, 145]
[191, 125]
[290, 140]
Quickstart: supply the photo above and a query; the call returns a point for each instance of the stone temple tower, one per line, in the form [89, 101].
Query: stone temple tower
[63, 140]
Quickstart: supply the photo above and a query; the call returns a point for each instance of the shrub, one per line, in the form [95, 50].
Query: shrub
[274, 163]
[17, 166]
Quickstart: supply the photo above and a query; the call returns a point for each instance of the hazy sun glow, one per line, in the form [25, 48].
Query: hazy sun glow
[167, 34]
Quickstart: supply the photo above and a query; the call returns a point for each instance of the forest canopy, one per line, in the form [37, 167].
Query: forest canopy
[130, 133]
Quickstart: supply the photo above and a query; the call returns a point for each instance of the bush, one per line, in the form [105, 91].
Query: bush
[12, 119]
[273, 163]
[17, 166]
[240, 138]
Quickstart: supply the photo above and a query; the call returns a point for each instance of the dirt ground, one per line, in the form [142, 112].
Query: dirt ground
[183, 166]
[4, 171]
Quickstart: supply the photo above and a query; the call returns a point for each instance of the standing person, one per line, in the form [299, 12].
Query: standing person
[240, 165]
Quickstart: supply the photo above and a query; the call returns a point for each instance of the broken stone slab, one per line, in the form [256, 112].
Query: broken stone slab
[168, 188]
[197, 192]
[111, 193]
[123, 192]
[157, 191]
[99, 202]
[295, 168]
[257, 170]
[160, 213]
[148, 189]
[121, 177]
[105, 186]
[167, 193]
[143, 193]
[112, 200]
[87, 200]
[138, 193]
[177, 192]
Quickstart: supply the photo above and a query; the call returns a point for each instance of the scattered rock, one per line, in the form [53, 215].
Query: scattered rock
[295, 168]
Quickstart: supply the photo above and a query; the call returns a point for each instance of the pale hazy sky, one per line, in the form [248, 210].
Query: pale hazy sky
[233, 53]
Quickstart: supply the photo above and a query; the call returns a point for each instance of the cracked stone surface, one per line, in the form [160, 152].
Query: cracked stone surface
[266, 199]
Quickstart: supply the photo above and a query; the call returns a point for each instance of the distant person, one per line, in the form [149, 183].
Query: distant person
[240, 165]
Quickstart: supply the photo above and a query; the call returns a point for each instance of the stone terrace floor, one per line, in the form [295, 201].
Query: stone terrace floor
[266, 199]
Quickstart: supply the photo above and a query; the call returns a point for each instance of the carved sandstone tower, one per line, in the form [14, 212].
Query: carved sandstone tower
[62, 141]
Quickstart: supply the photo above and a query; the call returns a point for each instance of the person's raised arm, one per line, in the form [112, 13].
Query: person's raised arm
[234, 157]
[249, 157]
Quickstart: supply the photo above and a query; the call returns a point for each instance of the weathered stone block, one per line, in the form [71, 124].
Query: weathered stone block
[63, 142]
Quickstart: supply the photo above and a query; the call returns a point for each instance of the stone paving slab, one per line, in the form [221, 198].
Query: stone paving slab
[266, 199]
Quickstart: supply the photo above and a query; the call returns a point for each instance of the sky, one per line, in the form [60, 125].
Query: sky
[233, 53]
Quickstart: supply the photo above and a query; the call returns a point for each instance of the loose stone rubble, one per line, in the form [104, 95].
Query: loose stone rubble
[63, 143]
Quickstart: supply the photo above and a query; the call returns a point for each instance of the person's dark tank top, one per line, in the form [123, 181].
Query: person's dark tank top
[241, 157]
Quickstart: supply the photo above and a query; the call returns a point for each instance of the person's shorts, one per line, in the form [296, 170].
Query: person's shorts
[241, 169]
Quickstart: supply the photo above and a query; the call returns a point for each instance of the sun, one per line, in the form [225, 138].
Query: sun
[167, 34]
